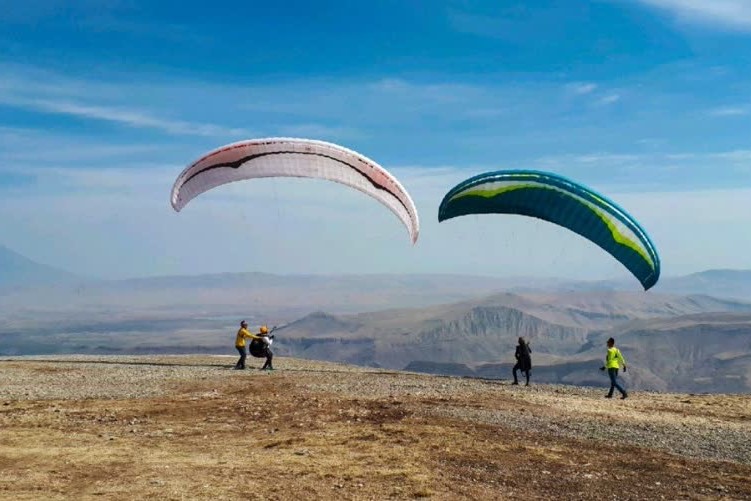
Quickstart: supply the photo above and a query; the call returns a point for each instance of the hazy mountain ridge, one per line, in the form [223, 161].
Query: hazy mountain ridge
[478, 338]
[24, 282]
[718, 283]
[395, 338]
[605, 309]
[441, 323]
[699, 352]
[722, 283]
[696, 354]
[18, 271]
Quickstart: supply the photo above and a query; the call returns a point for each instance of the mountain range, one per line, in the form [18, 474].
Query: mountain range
[673, 343]
[19, 271]
[690, 333]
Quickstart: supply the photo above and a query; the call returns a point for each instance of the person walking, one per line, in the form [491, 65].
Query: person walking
[613, 360]
[523, 360]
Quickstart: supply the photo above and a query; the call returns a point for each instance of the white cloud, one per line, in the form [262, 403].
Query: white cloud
[21, 146]
[737, 156]
[654, 171]
[732, 14]
[581, 88]
[32, 11]
[122, 101]
[316, 107]
[609, 99]
[437, 93]
[29, 82]
[481, 25]
[730, 111]
[485, 112]
[128, 117]
[318, 130]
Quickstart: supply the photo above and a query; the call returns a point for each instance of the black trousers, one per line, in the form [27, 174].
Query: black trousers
[519, 366]
[260, 351]
[269, 357]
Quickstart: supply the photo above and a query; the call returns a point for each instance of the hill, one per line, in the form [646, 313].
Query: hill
[190, 427]
[447, 324]
[708, 352]
[471, 337]
[287, 297]
[706, 341]
[17, 271]
[723, 283]
[719, 283]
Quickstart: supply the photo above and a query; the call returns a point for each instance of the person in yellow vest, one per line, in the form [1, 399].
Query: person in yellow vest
[613, 360]
[242, 334]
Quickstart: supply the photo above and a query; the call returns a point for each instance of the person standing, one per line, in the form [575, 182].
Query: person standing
[523, 360]
[261, 347]
[613, 360]
[242, 334]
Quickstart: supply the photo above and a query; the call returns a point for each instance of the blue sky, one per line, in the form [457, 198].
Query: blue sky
[103, 103]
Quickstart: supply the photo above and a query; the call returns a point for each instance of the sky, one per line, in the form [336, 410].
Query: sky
[103, 103]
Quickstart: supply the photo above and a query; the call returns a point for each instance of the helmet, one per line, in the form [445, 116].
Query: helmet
[243, 324]
[264, 329]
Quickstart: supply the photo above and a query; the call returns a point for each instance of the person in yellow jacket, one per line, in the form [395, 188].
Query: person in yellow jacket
[242, 334]
[613, 360]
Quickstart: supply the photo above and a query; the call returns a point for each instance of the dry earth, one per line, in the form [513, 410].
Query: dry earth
[189, 427]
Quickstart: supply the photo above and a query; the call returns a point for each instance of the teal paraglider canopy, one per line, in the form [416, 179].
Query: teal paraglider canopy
[561, 201]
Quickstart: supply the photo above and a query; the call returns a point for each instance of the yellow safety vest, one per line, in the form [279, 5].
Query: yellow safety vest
[613, 357]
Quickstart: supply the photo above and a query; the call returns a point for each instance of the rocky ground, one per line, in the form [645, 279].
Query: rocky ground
[189, 427]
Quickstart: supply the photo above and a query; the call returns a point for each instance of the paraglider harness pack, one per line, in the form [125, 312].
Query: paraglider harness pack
[258, 347]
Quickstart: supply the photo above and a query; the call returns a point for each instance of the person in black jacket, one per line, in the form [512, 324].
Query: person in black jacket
[523, 360]
[261, 347]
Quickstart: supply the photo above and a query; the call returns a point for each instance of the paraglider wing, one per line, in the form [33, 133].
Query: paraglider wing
[292, 157]
[553, 198]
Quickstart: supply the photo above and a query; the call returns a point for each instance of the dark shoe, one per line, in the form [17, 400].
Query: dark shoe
[515, 382]
[624, 396]
[608, 396]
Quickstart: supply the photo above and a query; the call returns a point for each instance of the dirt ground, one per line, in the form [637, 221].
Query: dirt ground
[191, 428]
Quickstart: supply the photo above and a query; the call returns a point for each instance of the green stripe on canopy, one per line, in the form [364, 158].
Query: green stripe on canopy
[563, 202]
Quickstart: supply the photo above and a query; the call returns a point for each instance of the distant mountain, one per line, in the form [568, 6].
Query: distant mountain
[734, 284]
[566, 331]
[607, 308]
[292, 296]
[718, 283]
[19, 271]
[261, 294]
[432, 323]
[393, 339]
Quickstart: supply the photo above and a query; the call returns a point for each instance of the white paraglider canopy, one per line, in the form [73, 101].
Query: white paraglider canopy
[294, 157]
